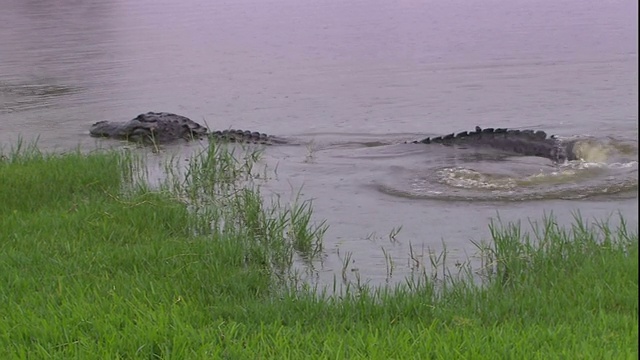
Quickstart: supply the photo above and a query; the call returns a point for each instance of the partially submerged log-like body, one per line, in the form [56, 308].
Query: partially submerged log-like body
[164, 127]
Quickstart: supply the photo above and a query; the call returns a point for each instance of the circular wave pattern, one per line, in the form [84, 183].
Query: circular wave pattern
[521, 180]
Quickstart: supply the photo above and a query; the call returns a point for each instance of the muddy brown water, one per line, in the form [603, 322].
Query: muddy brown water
[353, 80]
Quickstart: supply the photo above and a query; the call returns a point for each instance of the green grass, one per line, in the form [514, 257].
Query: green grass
[95, 264]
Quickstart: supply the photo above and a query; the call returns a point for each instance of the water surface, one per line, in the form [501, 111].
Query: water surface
[344, 75]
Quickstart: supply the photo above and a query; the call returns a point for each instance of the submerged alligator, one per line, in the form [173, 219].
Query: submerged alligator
[166, 127]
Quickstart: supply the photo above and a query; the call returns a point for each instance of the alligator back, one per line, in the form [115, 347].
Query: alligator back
[245, 136]
[521, 142]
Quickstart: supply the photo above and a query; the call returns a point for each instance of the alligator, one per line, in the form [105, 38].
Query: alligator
[166, 127]
[163, 127]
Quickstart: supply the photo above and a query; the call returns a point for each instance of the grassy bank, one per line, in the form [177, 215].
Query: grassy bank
[94, 264]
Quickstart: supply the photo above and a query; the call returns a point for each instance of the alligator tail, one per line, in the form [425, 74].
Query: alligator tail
[521, 142]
